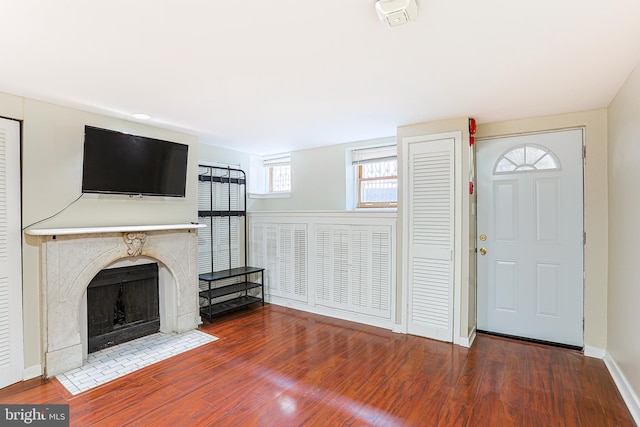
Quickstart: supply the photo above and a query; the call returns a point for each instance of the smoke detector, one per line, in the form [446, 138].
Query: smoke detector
[397, 12]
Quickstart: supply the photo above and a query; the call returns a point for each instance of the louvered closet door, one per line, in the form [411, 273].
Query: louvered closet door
[431, 239]
[205, 203]
[323, 270]
[282, 250]
[380, 297]
[360, 266]
[264, 252]
[213, 244]
[333, 266]
[341, 267]
[11, 347]
[353, 268]
[292, 265]
[370, 268]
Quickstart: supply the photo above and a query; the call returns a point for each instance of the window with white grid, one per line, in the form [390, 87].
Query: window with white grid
[377, 177]
[279, 173]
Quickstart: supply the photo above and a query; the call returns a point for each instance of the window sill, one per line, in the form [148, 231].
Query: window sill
[376, 209]
[269, 195]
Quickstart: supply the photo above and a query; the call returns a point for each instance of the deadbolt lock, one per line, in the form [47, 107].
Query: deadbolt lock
[483, 237]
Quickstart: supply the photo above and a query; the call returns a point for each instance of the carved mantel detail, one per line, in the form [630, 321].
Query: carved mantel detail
[135, 242]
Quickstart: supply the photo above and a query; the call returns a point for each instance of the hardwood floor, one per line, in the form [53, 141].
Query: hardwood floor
[274, 366]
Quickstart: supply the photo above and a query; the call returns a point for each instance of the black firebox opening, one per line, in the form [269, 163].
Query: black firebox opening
[122, 305]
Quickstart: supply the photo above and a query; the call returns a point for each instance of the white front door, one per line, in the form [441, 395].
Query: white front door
[11, 347]
[530, 236]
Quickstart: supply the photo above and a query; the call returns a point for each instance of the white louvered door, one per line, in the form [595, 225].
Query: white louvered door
[340, 285]
[360, 266]
[323, 271]
[282, 250]
[353, 268]
[328, 264]
[11, 346]
[379, 300]
[431, 238]
[292, 268]
[264, 252]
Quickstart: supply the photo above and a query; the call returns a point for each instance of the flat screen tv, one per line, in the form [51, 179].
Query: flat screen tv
[119, 163]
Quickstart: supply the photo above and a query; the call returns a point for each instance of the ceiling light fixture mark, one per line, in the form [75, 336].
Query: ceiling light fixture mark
[141, 116]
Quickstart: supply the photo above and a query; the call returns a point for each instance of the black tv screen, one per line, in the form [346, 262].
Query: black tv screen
[118, 163]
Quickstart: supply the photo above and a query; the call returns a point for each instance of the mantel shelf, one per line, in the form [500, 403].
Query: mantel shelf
[113, 229]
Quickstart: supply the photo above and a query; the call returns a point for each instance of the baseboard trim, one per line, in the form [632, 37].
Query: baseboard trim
[595, 352]
[468, 342]
[335, 313]
[31, 372]
[625, 389]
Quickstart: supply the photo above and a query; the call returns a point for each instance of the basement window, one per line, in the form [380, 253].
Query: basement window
[279, 173]
[376, 170]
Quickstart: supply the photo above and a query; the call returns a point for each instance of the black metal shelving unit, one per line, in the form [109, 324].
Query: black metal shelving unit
[227, 200]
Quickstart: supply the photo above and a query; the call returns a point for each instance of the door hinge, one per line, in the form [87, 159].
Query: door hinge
[584, 238]
[584, 151]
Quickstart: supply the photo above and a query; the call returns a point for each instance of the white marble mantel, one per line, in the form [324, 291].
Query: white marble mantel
[112, 229]
[71, 257]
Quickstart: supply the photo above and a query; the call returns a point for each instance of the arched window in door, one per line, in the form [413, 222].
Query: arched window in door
[525, 158]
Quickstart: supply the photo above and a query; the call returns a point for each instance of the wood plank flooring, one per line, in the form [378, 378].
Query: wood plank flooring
[274, 366]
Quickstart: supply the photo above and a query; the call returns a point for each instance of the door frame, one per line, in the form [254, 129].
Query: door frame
[13, 154]
[458, 211]
[583, 129]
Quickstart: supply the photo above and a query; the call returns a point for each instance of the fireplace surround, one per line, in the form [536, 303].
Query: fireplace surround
[71, 257]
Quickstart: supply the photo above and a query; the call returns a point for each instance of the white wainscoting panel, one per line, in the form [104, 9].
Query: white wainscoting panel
[282, 250]
[340, 264]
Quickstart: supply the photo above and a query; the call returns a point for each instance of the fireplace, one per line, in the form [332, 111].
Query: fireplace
[122, 305]
[72, 257]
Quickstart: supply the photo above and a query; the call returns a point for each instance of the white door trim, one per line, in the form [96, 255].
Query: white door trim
[11, 270]
[457, 251]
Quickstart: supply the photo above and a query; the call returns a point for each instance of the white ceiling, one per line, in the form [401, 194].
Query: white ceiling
[272, 76]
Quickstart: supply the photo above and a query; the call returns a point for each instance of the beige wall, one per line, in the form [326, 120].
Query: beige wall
[11, 107]
[209, 154]
[52, 172]
[596, 252]
[222, 156]
[52, 144]
[624, 231]
[318, 179]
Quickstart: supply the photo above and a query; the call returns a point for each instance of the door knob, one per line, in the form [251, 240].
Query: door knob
[483, 251]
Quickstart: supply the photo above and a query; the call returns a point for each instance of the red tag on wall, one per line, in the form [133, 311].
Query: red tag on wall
[472, 126]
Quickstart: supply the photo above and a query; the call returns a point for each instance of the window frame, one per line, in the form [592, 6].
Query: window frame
[525, 166]
[268, 165]
[271, 178]
[368, 205]
[379, 154]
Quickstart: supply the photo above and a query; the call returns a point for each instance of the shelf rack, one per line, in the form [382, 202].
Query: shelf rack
[225, 280]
